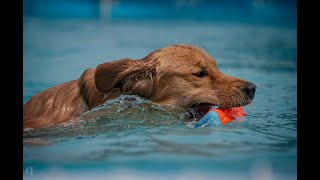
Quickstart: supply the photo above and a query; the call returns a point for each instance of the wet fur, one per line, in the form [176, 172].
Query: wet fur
[163, 76]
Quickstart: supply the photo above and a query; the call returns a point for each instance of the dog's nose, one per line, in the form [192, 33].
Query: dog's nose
[249, 89]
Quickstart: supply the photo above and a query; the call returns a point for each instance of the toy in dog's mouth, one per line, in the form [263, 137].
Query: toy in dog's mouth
[197, 112]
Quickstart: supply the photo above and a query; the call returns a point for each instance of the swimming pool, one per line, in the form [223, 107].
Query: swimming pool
[160, 145]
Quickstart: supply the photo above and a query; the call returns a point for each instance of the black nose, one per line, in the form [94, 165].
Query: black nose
[249, 89]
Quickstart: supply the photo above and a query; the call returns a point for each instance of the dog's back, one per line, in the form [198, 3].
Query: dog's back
[54, 105]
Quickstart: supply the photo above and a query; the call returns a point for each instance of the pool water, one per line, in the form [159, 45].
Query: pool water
[139, 140]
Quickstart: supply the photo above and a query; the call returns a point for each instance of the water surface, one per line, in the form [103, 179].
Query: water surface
[140, 140]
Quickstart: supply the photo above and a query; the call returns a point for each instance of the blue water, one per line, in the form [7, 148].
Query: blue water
[139, 140]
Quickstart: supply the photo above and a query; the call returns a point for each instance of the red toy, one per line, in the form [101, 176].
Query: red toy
[227, 115]
[216, 116]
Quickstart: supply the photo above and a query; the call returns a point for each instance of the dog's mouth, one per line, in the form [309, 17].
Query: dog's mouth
[197, 111]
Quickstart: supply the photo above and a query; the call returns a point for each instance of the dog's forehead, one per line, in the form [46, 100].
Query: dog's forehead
[184, 56]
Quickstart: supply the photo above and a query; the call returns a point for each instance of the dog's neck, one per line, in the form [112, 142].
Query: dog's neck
[89, 91]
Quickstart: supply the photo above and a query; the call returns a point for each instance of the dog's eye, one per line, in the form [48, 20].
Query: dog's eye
[200, 74]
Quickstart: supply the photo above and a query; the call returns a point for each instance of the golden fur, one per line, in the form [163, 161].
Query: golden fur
[169, 75]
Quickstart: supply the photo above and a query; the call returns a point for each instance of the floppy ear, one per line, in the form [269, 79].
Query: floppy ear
[117, 74]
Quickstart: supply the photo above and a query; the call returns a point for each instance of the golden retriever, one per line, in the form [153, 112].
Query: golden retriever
[179, 75]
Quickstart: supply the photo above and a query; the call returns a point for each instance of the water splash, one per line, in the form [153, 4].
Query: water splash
[124, 112]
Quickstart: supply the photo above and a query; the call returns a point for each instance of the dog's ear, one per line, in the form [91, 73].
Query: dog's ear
[126, 74]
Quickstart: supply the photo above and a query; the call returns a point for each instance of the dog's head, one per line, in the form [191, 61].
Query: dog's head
[179, 75]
